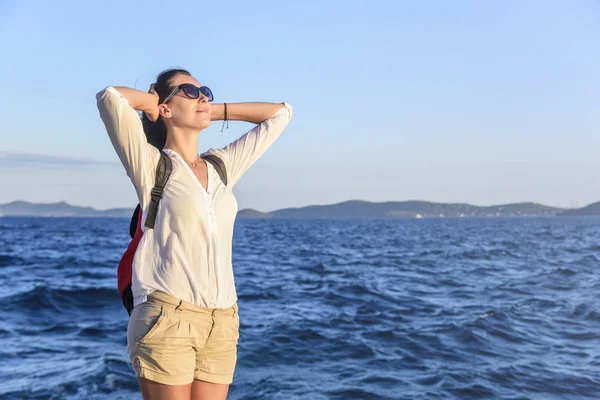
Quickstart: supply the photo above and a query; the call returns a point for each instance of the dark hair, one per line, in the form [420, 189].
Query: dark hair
[156, 132]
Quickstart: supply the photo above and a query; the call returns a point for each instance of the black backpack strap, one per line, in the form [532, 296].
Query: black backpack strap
[134, 221]
[163, 171]
[128, 299]
[218, 164]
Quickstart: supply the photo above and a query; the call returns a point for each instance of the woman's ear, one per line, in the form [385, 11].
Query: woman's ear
[164, 111]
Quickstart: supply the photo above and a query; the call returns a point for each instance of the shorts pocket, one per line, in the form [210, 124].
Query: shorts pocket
[147, 320]
[236, 323]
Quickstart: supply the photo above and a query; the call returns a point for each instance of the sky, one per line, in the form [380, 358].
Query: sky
[465, 101]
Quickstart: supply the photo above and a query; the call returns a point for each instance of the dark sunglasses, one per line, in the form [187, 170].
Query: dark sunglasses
[191, 92]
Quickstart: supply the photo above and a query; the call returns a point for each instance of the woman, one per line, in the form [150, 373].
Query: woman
[183, 332]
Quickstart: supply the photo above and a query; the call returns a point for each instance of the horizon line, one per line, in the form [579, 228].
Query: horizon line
[318, 205]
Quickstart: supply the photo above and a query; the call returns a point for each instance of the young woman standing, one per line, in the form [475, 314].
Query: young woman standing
[183, 332]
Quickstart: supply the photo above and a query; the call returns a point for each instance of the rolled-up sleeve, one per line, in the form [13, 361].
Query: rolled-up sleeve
[126, 133]
[240, 154]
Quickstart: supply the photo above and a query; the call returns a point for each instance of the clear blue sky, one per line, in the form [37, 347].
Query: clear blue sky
[466, 101]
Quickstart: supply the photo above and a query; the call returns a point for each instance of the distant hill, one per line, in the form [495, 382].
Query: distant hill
[405, 209]
[589, 210]
[348, 209]
[62, 209]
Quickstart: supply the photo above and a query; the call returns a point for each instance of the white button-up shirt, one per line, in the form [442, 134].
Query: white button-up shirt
[188, 253]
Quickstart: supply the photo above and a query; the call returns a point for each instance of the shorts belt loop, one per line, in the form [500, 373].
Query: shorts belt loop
[179, 306]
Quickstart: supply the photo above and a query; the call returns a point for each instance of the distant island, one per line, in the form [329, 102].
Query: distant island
[348, 209]
[62, 209]
[592, 209]
[406, 209]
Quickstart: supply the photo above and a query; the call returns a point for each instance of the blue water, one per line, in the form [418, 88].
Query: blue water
[329, 309]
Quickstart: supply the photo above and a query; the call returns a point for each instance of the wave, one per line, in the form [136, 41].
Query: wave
[43, 297]
[11, 261]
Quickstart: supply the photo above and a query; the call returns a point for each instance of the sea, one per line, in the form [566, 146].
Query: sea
[456, 308]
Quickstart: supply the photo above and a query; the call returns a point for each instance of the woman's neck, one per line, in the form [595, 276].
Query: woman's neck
[184, 143]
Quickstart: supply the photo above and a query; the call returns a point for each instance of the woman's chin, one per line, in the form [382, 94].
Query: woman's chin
[203, 121]
[203, 125]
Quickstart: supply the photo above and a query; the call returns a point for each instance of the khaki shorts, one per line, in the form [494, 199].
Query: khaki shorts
[174, 342]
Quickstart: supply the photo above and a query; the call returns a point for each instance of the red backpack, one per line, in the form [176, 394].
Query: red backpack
[163, 171]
